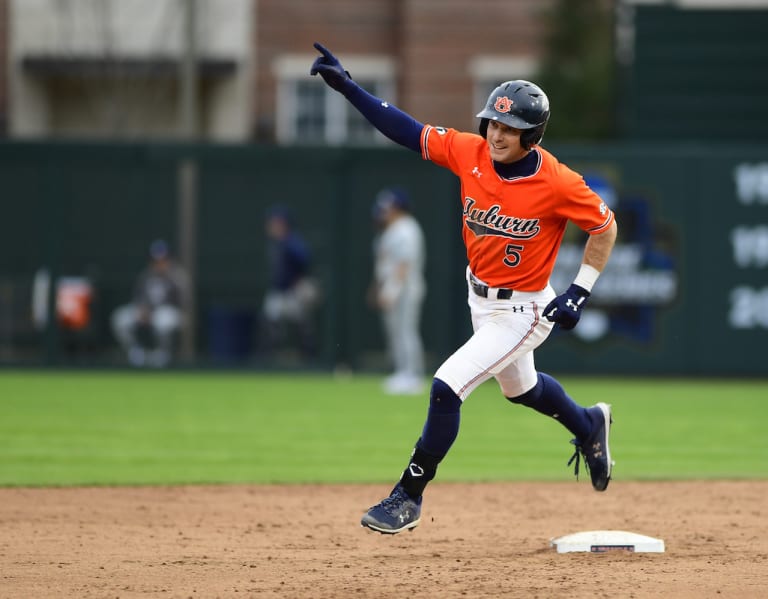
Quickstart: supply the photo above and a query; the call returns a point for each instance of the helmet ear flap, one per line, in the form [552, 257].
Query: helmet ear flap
[528, 138]
[531, 137]
[483, 128]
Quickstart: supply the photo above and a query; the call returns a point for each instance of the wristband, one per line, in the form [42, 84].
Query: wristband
[587, 277]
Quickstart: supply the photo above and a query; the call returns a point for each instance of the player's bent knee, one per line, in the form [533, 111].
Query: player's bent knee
[443, 399]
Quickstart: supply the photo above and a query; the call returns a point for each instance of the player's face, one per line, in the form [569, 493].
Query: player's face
[276, 228]
[504, 142]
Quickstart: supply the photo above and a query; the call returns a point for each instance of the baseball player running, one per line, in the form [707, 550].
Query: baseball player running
[517, 200]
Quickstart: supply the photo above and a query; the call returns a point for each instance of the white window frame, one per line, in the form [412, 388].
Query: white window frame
[290, 69]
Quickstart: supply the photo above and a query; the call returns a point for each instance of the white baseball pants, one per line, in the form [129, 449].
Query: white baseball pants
[505, 334]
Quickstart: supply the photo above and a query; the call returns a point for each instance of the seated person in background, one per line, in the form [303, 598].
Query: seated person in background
[292, 292]
[147, 327]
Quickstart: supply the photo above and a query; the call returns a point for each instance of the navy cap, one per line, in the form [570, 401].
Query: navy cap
[391, 197]
[159, 249]
[281, 212]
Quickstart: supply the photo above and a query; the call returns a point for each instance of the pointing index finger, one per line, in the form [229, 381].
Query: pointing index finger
[323, 50]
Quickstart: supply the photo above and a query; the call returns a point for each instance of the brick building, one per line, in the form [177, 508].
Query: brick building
[110, 69]
[436, 60]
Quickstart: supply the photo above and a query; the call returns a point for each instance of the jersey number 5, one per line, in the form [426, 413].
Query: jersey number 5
[513, 254]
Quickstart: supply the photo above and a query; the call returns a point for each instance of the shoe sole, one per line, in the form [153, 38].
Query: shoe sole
[606, 410]
[390, 531]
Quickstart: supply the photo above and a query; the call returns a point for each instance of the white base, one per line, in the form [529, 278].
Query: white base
[601, 541]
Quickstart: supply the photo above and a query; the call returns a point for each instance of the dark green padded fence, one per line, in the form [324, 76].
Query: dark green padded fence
[697, 74]
[687, 294]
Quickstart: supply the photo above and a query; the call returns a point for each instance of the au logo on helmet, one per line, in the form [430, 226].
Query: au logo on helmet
[503, 104]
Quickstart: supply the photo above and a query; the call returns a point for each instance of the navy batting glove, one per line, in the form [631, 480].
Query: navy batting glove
[565, 309]
[330, 69]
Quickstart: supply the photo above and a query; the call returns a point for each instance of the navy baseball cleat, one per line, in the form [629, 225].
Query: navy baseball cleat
[597, 454]
[396, 513]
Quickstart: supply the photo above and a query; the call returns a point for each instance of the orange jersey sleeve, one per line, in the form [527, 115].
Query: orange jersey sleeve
[512, 228]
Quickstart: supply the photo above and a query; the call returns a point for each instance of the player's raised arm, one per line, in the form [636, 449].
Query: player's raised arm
[391, 121]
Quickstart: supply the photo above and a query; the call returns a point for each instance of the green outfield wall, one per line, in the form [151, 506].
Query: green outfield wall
[686, 291]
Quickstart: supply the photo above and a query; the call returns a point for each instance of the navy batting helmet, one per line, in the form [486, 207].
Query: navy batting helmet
[391, 197]
[519, 104]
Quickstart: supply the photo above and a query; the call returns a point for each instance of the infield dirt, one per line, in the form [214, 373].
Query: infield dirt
[296, 542]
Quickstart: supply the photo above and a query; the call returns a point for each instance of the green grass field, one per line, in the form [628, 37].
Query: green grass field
[73, 428]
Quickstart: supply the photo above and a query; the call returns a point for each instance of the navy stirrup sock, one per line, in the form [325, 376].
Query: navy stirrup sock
[548, 397]
[442, 425]
[439, 433]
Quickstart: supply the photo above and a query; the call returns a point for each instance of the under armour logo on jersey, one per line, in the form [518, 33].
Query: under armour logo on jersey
[603, 208]
[476, 172]
[503, 104]
[415, 470]
[518, 309]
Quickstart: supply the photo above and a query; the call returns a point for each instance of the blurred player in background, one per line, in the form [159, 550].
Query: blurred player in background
[292, 293]
[517, 200]
[147, 328]
[399, 288]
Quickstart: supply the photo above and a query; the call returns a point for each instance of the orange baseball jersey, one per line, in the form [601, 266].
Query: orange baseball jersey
[513, 227]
